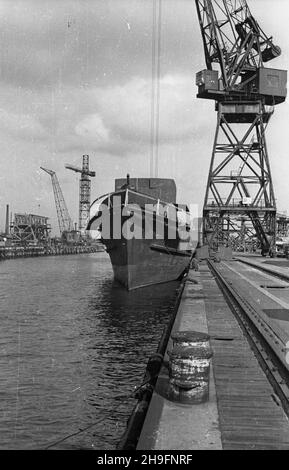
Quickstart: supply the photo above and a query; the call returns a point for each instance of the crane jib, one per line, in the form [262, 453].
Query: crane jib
[236, 49]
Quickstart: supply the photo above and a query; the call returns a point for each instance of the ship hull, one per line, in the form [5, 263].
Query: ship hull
[140, 263]
[142, 237]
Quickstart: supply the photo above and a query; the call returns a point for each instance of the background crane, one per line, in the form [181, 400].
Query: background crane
[239, 182]
[84, 191]
[64, 219]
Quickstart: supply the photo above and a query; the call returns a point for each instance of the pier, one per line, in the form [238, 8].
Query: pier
[245, 311]
[13, 252]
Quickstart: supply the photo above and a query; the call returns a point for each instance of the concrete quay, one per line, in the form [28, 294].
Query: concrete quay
[242, 411]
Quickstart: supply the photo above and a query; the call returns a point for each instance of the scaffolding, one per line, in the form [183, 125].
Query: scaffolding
[30, 229]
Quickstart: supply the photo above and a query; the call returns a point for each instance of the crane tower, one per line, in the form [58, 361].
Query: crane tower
[84, 191]
[239, 186]
[64, 219]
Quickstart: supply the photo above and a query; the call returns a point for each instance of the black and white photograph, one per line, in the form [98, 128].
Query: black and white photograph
[144, 228]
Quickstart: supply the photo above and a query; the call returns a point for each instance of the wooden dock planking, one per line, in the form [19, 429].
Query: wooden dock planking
[249, 416]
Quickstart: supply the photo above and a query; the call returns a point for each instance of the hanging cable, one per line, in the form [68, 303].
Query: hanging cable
[157, 125]
[82, 430]
[134, 394]
[155, 89]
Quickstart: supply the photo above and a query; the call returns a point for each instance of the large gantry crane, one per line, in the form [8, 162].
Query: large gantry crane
[84, 192]
[239, 186]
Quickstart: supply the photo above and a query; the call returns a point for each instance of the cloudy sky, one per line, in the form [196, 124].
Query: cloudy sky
[75, 78]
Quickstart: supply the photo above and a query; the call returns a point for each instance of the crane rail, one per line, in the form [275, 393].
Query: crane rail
[268, 347]
[281, 276]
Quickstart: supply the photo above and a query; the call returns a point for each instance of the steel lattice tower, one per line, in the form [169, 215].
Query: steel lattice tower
[84, 192]
[64, 219]
[239, 200]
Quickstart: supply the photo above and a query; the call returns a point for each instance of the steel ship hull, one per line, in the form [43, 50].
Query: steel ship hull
[144, 261]
[140, 263]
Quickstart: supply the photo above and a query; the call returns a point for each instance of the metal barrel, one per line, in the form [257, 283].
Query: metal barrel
[189, 373]
[191, 338]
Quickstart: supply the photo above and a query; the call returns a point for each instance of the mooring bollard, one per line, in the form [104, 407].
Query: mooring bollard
[191, 338]
[189, 372]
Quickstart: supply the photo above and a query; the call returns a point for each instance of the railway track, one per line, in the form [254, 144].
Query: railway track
[267, 342]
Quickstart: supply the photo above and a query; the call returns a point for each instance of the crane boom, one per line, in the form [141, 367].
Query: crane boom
[79, 170]
[73, 168]
[236, 49]
[64, 219]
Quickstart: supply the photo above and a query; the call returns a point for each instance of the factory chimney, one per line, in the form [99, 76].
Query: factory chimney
[7, 230]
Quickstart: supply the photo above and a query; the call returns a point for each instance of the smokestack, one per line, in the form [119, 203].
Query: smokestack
[7, 228]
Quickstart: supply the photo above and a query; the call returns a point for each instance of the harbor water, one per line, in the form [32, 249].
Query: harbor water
[73, 345]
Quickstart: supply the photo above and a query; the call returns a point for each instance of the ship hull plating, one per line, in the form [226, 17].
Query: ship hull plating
[155, 252]
[140, 263]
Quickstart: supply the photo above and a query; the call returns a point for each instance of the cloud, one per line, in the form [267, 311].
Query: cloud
[122, 118]
[50, 42]
[22, 126]
[126, 111]
[114, 119]
[78, 77]
[93, 129]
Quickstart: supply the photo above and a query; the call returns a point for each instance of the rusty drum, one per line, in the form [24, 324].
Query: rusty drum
[189, 373]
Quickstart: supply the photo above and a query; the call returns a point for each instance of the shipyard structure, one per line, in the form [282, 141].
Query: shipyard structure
[30, 234]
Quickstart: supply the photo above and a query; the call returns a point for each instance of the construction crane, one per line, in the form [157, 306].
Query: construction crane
[245, 93]
[84, 191]
[64, 219]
